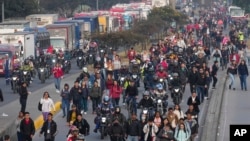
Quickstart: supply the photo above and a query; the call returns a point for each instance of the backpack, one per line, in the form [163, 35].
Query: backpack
[40, 106]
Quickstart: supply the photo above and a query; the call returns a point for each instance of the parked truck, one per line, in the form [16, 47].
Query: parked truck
[90, 22]
[79, 30]
[24, 42]
[62, 36]
[43, 19]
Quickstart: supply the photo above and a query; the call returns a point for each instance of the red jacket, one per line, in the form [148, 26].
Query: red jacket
[50, 50]
[164, 64]
[115, 92]
[109, 84]
[131, 54]
[161, 74]
[237, 56]
[58, 72]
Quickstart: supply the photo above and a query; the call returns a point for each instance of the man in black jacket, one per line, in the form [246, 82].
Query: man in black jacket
[27, 127]
[132, 94]
[195, 101]
[201, 85]
[75, 96]
[49, 129]
[192, 78]
[82, 124]
[116, 131]
[133, 128]
[23, 96]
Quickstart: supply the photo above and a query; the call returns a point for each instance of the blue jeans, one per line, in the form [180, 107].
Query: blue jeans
[65, 106]
[200, 92]
[19, 136]
[115, 101]
[132, 138]
[7, 76]
[57, 83]
[133, 102]
[85, 104]
[116, 72]
[232, 78]
[243, 81]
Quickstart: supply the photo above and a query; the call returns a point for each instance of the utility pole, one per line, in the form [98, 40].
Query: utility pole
[3, 11]
[97, 5]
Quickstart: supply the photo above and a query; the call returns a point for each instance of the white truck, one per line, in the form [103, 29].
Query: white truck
[43, 19]
[23, 41]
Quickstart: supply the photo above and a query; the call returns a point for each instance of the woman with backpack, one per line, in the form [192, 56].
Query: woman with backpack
[47, 104]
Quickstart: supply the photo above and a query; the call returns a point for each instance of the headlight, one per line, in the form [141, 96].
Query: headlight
[171, 78]
[134, 76]
[176, 90]
[102, 51]
[80, 58]
[110, 48]
[90, 55]
[169, 75]
[14, 78]
[25, 72]
[42, 69]
[65, 61]
[103, 119]
[122, 78]
[161, 80]
[159, 101]
[53, 60]
[144, 111]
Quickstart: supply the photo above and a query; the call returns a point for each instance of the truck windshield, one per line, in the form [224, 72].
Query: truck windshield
[57, 43]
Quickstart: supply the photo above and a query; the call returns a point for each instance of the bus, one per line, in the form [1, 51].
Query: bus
[236, 12]
[42, 39]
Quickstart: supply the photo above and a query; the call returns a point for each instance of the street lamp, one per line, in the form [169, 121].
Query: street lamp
[3, 11]
[97, 5]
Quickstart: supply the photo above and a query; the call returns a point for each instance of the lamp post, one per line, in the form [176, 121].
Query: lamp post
[97, 5]
[3, 11]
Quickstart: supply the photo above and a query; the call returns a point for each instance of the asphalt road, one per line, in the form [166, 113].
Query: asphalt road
[9, 96]
[235, 109]
[63, 128]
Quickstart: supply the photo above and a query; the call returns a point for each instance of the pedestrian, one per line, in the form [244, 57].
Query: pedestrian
[117, 66]
[58, 75]
[116, 131]
[47, 104]
[115, 93]
[193, 112]
[150, 130]
[72, 115]
[7, 67]
[23, 92]
[214, 71]
[178, 111]
[133, 128]
[27, 127]
[109, 84]
[65, 94]
[17, 123]
[110, 67]
[82, 124]
[181, 134]
[131, 93]
[85, 97]
[208, 81]
[172, 117]
[49, 129]
[6, 137]
[95, 95]
[195, 101]
[243, 74]
[75, 95]
[192, 78]
[201, 84]
[193, 126]
[166, 134]
[1, 95]
[231, 72]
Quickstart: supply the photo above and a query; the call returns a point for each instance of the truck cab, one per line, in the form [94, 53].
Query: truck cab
[58, 43]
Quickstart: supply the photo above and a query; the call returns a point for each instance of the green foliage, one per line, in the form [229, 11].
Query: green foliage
[245, 4]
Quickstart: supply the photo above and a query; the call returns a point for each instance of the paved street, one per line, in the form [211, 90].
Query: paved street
[235, 109]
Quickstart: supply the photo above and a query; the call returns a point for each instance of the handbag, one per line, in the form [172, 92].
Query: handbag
[40, 106]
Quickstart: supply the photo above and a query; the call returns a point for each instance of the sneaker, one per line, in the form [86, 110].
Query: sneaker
[229, 87]
[82, 112]
[234, 89]
[205, 98]
[63, 116]
[85, 113]
[124, 104]
[57, 91]
[95, 130]
[4, 115]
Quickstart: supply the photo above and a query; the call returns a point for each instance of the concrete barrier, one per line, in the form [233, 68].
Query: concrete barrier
[210, 128]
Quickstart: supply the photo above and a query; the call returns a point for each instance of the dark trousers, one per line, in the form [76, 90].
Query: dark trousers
[192, 87]
[27, 138]
[7, 76]
[116, 138]
[116, 72]
[23, 103]
[52, 139]
[115, 101]
[214, 80]
[19, 136]
[95, 102]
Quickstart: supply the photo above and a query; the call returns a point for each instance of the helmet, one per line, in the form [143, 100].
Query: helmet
[85, 69]
[146, 93]
[26, 62]
[106, 99]
[98, 59]
[160, 87]
[175, 74]
[117, 110]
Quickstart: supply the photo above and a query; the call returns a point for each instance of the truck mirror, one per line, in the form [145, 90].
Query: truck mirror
[37, 44]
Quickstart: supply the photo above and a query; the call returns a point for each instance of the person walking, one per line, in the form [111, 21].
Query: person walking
[166, 134]
[23, 92]
[117, 66]
[82, 124]
[65, 94]
[58, 75]
[150, 130]
[49, 129]
[214, 71]
[115, 93]
[85, 97]
[17, 123]
[231, 72]
[95, 95]
[181, 133]
[75, 95]
[47, 103]
[27, 127]
[243, 74]
[7, 69]
[133, 128]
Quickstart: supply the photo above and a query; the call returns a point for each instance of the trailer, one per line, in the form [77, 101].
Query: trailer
[43, 19]
[90, 23]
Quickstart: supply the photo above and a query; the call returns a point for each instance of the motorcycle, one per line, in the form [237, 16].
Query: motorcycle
[91, 58]
[26, 77]
[42, 74]
[66, 66]
[161, 104]
[103, 126]
[15, 83]
[136, 79]
[146, 113]
[102, 52]
[163, 83]
[80, 61]
[176, 95]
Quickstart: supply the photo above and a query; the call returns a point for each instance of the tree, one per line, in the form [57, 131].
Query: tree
[245, 4]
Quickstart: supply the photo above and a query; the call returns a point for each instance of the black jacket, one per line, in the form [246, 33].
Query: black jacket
[214, 70]
[69, 115]
[23, 92]
[27, 129]
[232, 70]
[116, 130]
[83, 126]
[192, 77]
[201, 81]
[133, 127]
[131, 91]
[75, 95]
[52, 128]
[195, 103]
[147, 103]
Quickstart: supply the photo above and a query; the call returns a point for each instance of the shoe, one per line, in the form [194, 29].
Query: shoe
[95, 130]
[85, 113]
[63, 116]
[124, 104]
[205, 98]
[234, 89]
[4, 115]
[229, 87]
[82, 112]
[213, 88]
[57, 91]
[245, 89]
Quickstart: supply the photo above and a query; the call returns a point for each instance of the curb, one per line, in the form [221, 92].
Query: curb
[39, 120]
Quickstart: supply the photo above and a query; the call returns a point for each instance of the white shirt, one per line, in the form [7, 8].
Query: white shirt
[47, 104]
[179, 114]
[117, 64]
